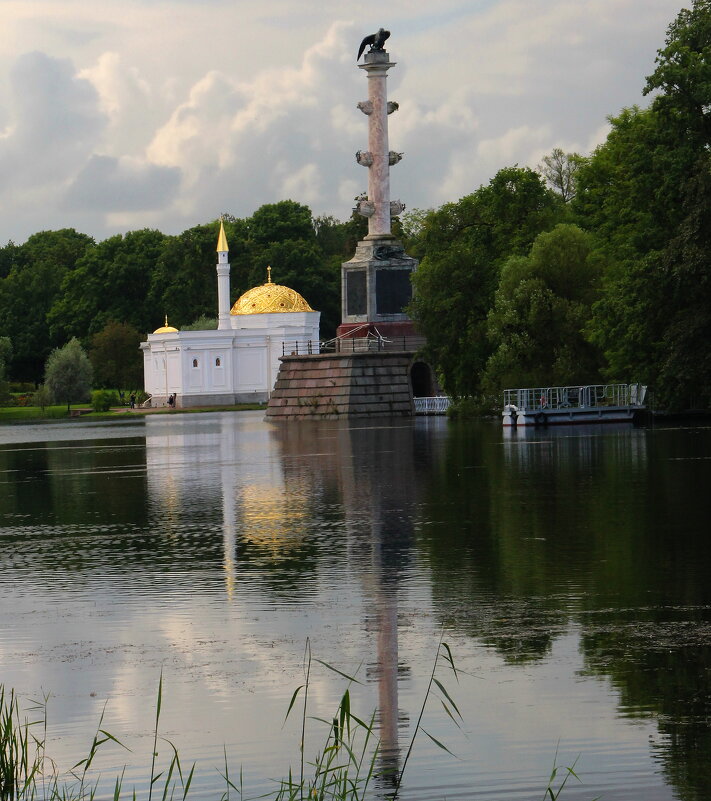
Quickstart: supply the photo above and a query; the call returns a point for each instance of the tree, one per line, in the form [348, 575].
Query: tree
[683, 74]
[42, 397]
[5, 357]
[560, 171]
[684, 378]
[464, 246]
[542, 307]
[115, 357]
[282, 221]
[68, 374]
[184, 280]
[111, 281]
[203, 323]
[645, 194]
[37, 270]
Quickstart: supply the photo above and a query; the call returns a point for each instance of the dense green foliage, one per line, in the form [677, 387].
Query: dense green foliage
[5, 356]
[465, 245]
[33, 277]
[540, 310]
[116, 358]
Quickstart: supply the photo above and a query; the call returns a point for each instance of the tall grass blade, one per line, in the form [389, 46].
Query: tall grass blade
[339, 672]
[293, 701]
[154, 754]
[444, 692]
[438, 743]
[450, 659]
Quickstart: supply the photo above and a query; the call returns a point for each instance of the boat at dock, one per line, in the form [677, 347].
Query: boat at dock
[593, 403]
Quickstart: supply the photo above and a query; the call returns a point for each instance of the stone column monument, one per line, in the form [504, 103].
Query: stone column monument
[375, 283]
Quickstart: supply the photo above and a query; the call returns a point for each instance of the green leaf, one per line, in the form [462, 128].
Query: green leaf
[339, 672]
[293, 701]
[438, 743]
[450, 659]
[447, 696]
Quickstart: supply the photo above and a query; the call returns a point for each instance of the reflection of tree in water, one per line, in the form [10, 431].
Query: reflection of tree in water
[75, 504]
[529, 536]
[662, 669]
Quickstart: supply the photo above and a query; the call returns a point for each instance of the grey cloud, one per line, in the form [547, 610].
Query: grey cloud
[54, 123]
[108, 184]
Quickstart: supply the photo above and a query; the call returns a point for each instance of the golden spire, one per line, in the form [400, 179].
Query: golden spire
[222, 240]
[269, 274]
[166, 329]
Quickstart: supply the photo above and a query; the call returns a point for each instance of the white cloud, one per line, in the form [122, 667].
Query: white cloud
[173, 111]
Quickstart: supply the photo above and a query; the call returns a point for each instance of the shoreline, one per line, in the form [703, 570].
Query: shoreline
[83, 413]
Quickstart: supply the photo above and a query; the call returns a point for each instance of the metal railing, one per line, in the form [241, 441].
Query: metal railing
[434, 405]
[370, 343]
[300, 347]
[577, 397]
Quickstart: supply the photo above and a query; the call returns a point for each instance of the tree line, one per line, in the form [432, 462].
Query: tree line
[60, 285]
[589, 268]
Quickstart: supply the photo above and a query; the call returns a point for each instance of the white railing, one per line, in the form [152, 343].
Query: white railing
[579, 397]
[435, 405]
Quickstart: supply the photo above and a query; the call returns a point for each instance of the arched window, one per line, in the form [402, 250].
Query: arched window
[195, 362]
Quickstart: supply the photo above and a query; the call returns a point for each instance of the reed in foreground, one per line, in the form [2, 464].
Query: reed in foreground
[342, 769]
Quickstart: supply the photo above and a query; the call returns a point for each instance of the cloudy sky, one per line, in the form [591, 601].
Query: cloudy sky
[124, 114]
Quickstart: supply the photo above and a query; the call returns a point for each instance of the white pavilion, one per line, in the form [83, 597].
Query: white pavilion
[239, 361]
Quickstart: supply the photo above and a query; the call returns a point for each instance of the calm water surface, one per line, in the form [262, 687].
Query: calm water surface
[568, 569]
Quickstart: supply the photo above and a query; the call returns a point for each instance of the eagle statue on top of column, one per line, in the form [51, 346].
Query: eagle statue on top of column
[375, 40]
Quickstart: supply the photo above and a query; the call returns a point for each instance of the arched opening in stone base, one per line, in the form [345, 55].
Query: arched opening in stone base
[422, 380]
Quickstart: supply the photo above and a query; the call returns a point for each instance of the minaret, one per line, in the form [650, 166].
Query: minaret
[223, 280]
[375, 283]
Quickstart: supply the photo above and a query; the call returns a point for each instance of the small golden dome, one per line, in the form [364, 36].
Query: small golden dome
[270, 298]
[165, 328]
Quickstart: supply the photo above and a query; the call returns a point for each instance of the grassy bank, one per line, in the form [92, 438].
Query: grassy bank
[26, 414]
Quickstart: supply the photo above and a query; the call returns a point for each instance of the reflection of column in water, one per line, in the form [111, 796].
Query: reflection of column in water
[373, 467]
[387, 688]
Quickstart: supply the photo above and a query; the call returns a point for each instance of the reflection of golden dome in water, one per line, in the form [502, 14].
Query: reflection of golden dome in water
[270, 298]
[165, 328]
[272, 519]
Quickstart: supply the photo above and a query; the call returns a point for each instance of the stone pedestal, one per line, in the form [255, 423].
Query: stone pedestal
[352, 385]
[375, 283]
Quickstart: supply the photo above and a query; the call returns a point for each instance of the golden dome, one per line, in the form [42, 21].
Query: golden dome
[165, 328]
[270, 298]
[272, 519]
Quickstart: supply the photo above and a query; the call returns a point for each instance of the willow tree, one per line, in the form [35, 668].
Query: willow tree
[68, 374]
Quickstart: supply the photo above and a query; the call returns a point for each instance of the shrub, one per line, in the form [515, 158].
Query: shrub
[42, 397]
[103, 399]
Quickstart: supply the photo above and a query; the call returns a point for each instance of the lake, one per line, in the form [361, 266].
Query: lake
[567, 570]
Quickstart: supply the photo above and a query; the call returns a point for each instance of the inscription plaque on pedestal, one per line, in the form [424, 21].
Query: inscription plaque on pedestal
[393, 291]
[356, 294]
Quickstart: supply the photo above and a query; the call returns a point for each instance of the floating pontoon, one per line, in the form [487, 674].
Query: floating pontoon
[595, 403]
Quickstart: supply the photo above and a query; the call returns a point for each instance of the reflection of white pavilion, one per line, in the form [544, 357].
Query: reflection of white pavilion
[239, 361]
[261, 480]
